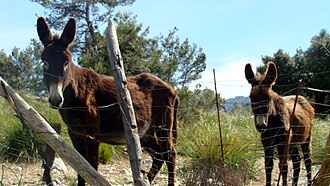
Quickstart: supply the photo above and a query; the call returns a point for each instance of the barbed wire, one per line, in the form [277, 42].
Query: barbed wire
[111, 106]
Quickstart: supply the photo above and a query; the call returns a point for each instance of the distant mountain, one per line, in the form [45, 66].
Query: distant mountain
[231, 103]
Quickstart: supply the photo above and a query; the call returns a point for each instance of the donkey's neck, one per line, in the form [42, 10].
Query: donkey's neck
[74, 80]
[81, 80]
[274, 96]
[282, 110]
[278, 102]
[71, 81]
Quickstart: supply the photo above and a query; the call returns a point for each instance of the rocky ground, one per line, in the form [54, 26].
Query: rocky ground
[117, 173]
[261, 179]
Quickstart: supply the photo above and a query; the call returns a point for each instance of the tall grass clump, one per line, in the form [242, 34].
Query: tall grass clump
[200, 141]
[17, 145]
[320, 133]
[17, 142]
[109, 152]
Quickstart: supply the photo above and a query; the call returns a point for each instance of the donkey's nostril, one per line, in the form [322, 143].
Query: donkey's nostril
[261, 128]
[56, 102]
[261, 122]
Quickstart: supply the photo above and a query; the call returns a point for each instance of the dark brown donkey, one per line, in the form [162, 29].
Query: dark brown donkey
[89, 106]
[272, 116]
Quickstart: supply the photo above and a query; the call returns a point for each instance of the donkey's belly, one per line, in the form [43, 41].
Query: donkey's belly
[110, 130]
[113, 139]
[113, 133]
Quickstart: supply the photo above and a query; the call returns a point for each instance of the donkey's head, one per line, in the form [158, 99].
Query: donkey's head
[57, 59]
[261, 100]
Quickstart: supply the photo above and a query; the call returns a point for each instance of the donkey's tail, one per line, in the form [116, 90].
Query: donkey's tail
[175, 122]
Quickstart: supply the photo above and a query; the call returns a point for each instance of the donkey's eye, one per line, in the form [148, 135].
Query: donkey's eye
[46, 65]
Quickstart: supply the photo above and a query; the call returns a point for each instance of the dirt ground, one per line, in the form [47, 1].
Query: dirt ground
[117, 173]
[261, 179]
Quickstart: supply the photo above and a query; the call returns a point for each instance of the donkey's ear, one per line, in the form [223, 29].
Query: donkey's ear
[44, 32]
[249, 74]
[271, 73]
[69, 32]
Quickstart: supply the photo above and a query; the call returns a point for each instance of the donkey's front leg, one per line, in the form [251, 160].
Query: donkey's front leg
[92, 148]
[269, 152]
[79, 144]
[88, 148]
[171, 166]
[306, 148]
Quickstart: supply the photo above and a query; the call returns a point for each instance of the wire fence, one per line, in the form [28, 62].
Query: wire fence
[19, 172]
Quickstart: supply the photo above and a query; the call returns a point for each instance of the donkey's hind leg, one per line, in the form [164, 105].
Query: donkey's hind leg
[158, 159]
[296, 164]
[170, 162]
[306, 148]
[283, 164]
[157, 162]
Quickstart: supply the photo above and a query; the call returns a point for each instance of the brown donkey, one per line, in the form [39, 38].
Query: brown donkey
[272, 116]
[88, 104]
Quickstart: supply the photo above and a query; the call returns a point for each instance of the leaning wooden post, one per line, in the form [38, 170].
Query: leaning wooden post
[125, 102]
[39, 125]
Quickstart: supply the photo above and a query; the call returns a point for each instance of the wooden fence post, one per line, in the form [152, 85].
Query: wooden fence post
[125, 102]
[39, 125]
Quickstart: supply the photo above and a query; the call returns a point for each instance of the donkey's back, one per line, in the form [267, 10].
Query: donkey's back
[302, 120]
[153, 100]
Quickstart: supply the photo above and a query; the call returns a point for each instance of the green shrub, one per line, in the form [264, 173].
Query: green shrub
[16, 144]
[201, 142]
[320, 133]
[108, 152]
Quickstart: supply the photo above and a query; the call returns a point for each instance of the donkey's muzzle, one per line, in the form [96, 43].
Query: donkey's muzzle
[55, 103]
[261, 122]
[55, 95]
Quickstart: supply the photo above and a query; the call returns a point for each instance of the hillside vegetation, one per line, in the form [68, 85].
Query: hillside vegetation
[199, 141]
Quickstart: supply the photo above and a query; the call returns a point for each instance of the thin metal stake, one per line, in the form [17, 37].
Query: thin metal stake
[218, 111]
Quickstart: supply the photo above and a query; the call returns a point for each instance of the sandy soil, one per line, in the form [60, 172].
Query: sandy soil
[117, 173]
[261, 180]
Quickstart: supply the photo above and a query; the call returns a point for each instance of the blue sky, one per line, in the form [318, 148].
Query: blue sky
[232, 33]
